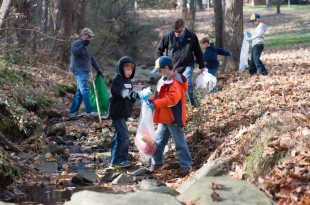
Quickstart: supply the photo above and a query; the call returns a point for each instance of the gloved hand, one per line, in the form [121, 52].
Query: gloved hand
[125, 93]
[99, 73]
[248, 40]
[248, 33]
[133, 95]
[150, 105]
[145, 94]
[86, 42]
[230, 55]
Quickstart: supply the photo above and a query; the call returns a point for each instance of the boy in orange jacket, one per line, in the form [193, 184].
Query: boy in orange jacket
[169, 103]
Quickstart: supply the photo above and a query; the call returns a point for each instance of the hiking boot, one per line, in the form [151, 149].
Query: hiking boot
[154, 168]
[92, 114]
[122, 165]
[182, 172]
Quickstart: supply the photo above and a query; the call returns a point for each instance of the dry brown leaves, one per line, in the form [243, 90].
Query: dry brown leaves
[246, 105]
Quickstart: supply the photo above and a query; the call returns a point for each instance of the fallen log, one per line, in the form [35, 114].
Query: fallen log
[9, 144]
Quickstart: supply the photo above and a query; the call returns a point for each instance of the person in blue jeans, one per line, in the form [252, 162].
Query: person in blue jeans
[169, 105]
[210, 55]
[257, 39]
[120, 109]
[182, 45]
[81, 60]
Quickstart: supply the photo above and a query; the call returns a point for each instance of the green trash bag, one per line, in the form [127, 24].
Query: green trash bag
[103, 95]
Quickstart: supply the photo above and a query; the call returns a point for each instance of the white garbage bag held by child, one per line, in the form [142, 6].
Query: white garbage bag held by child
[244, 52]
[205, 81]
[145, 136]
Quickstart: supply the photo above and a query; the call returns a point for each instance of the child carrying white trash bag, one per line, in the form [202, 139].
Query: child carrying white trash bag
[145, 136]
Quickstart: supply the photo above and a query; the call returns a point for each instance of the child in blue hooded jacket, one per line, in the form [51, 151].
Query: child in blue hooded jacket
[120, 109]
[210, 55]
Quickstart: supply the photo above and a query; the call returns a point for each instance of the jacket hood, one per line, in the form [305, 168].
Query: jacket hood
[178, 77]
[212, 46]
[120, 64]
[263, 26]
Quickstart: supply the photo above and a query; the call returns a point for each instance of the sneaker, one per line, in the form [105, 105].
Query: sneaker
[122, 165]
[75, 114]
[92, 114]
[105, 116]
[154, 168]
[182, 172]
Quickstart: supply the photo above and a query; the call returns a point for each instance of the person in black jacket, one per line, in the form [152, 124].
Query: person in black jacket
[210, 55]
[120, 109]
[182, 46]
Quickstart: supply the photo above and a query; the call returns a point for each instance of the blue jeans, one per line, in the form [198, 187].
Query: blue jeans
[163, 134]
[256, 65]
[213, 71]
[188, 73]
[82, 92]
[120, 143]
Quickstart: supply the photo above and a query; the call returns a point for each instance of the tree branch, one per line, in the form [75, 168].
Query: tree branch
[31, 29]
[10, 145]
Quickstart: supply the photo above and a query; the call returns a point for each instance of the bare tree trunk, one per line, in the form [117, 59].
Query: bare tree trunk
[217, 5]
[81, 13]
[4, 7]
[279, 2]
[23, 7]
[268, 4]
[66, 25]
[233, 32]
[184, 10]
[35, 22]
[192, 9]
[45, 23]
[200, 6]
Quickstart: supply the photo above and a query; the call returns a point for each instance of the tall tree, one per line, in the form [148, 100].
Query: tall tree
[184, 10]
[45, 15]
[81, 15]
[278, 3]
[218, 22]
[66, 25]
[232, 32]
[199, 4]
[4, 7]
[268, 3]
[192, 11]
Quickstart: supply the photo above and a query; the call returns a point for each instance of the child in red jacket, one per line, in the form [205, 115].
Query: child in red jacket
[169, 103]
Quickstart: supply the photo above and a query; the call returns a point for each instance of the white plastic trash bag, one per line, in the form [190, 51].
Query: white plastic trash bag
[205, 81]
[145, 137]
[244, 53]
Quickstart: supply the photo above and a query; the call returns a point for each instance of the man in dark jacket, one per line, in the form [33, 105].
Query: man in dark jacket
[81, 61]
[182, 46]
